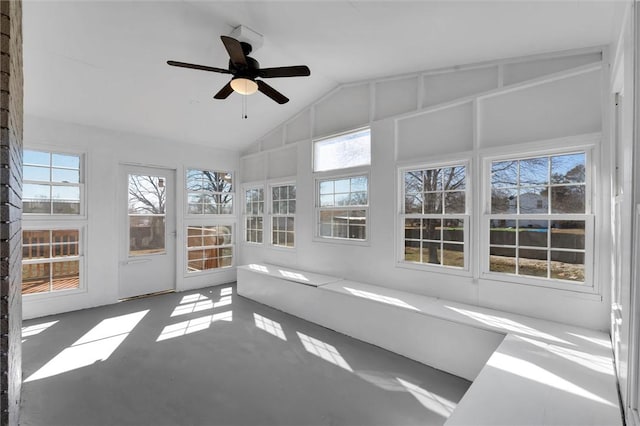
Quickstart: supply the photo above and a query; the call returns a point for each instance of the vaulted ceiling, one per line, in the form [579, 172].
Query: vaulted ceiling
[103, 63]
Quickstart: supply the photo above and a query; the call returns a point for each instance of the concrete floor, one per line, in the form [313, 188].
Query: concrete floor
[210, 357]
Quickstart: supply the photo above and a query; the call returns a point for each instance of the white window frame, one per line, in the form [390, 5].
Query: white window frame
[231, 193]
[347, 174]
[466, 217]
[81, 185]
[272, 215]
[245, 215]
[589, 284]
[41, 225]
[231, 245]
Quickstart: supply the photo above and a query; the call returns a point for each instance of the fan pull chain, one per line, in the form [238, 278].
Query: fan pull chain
[244, 107]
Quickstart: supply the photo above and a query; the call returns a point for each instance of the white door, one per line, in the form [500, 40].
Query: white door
[148, 246]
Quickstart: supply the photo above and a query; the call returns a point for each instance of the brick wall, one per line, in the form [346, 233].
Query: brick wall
[11, 84]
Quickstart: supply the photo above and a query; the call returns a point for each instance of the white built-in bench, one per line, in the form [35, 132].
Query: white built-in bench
[524, 370]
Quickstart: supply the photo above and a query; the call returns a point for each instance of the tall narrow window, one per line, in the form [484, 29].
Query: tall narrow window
[434, 219]
[52, 184]
[50, 260]
[283, 210]
[254, 215]
[209, 192]
[343, 208]
[539, 217]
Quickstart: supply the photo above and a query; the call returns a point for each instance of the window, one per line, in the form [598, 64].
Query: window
[343, 208]
[434, 216]
[209, 247]
[209, 192]
[254, 211]
[283, 209]
[52, 183]
[51, 260]
[352, 149]
[539, 219]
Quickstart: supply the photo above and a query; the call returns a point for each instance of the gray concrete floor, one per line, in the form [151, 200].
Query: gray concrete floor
[210, 357]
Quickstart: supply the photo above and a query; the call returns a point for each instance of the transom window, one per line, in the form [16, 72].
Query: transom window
[50, 260]
[52, 183]
[209, 192]
[434, 219]
[539, 217]
[351, 149]
[343, 207]
[209, 247]
[283, 200]
[254, 215]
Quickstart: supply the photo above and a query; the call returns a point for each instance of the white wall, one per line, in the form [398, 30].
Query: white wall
[104, 150]
[461, 113]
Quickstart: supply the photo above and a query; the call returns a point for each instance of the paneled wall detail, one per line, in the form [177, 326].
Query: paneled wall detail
[358, 104]
[11, 111]
[461, 114]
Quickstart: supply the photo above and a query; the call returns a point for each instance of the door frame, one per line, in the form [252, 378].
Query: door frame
[123, 244]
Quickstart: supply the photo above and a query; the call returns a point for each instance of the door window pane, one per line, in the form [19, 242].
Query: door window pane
[147, 203]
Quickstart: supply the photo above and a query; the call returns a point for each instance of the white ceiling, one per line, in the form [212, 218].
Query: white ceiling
[104, 63]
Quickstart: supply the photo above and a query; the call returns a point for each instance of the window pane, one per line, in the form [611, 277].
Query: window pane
[568, 168]
[66, 275]
[413, 203]
[431, 252]
[433, 202]
[194, 180]
[504, 174]
[504, 200]
[454, 202]
[412, 251]
[65, 192]
[36, 158]
[568, 234]
[453, 230]
[326, 200]
[568, 199]
[326, 187]
[534, 171]
[36, 173]
[453, 255]
[533, 233]
[64, 175]
[534, 200]
[432, 180]
[532, 262]
[342, 199]
[359, 199]
[146, 235]
[502, 232]
[413, 182]
[432, 229]
[349, 150]
[65, 207]
[343, 185]
[35, 278]
[412, 228]
[502, 260]
[567, 265]
[66, 161]
[454, 178]
[147, 194]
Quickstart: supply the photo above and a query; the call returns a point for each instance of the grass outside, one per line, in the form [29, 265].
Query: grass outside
[537, 268]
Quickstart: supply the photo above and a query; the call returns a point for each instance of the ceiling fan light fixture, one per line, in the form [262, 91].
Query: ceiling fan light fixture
[244, 86]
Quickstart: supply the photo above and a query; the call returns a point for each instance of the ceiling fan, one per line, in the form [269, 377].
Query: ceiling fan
[245, 71]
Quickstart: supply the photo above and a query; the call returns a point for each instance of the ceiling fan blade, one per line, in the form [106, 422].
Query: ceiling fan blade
[234, 49]
[224, 92]
[271, 92]
[197, 67]
[293, 71]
